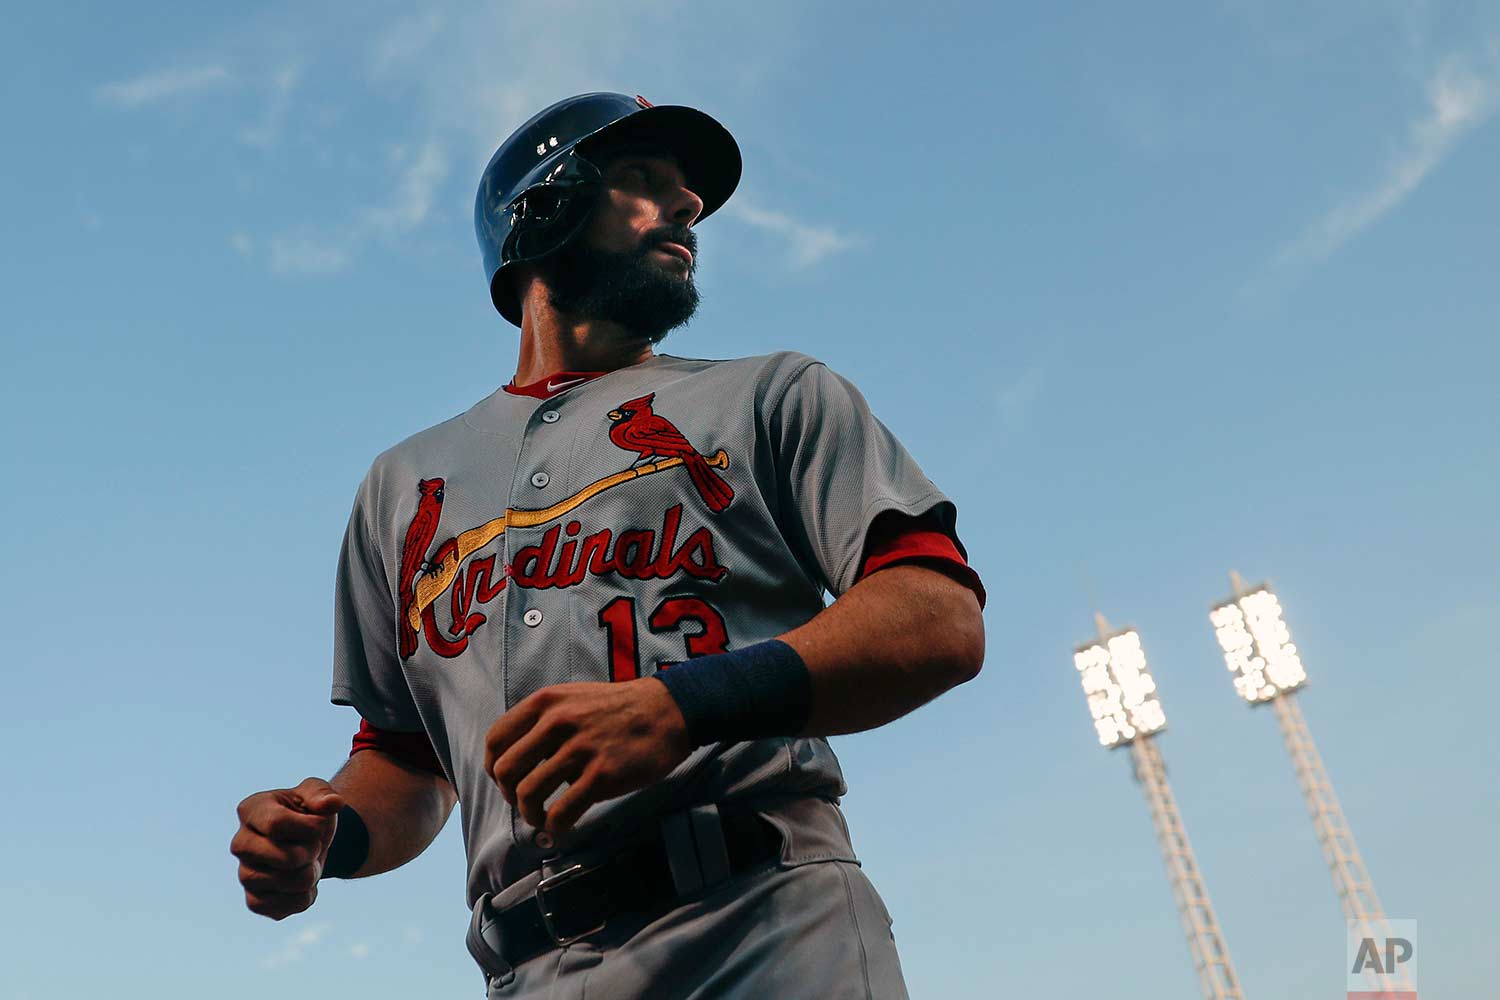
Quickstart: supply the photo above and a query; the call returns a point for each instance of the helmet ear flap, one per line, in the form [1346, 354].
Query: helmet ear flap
[545, 218]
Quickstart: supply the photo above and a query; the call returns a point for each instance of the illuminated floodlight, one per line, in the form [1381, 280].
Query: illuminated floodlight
[1119, 687]
[1122, 700]
[1257, 645]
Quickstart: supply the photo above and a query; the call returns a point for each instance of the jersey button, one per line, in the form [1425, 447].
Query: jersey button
[551, 416]
[540, 479]
[532, 618]
[543, 840]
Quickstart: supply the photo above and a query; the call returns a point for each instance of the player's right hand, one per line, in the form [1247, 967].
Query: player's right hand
[282, 843]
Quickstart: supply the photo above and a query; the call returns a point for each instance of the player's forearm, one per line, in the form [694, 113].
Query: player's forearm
[893, 642]
[403, 807]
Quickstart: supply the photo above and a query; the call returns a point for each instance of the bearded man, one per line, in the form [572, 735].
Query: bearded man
[590, 609]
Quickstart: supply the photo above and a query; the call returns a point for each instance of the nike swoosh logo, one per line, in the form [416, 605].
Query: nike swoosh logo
[559, 386]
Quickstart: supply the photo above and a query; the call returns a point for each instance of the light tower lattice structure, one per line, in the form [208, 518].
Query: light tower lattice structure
[1122, 700]
[1258, 650]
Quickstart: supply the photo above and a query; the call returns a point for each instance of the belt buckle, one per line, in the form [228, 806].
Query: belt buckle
[551, 882]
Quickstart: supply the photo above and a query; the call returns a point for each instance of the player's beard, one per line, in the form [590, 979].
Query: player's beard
[632, 288]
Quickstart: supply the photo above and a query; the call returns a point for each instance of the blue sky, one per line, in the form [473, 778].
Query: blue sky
[1152, 291]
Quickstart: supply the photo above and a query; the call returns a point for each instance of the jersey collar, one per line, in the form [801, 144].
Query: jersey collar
[551, 385]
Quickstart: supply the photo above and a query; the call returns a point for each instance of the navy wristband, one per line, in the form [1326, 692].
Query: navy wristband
[350, 847]
[759, 691]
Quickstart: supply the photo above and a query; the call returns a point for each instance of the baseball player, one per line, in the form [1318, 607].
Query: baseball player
[590, 609]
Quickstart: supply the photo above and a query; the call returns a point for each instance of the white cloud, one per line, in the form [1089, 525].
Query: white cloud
[481, 74]
[1014, 399]
[411, 201]
[414, 934]
[264, 133]
[241, 243]
[294, 949]
[308, 255]
[311, 251]
[360, 950]
[1457, 102]
[152, 88]
[87, 217]
[403, 41]
[455, 84]
[808, 245]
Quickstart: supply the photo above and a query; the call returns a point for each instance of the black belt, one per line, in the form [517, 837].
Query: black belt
[580, 899]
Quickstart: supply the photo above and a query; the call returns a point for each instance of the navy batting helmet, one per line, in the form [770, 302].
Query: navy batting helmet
[541, 185]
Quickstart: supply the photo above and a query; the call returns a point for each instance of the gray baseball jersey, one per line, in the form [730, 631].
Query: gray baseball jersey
[671, 509]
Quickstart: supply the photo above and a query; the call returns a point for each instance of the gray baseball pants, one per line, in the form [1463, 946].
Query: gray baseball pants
[810, 927]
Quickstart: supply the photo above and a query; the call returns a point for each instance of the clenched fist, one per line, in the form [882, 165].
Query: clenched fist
[282, 844]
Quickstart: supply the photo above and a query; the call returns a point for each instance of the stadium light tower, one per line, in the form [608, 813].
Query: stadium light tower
[1258, 650]
[1122, 700]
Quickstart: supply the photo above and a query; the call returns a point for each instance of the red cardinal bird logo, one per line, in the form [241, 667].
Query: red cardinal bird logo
[649, 435]
[414, 552]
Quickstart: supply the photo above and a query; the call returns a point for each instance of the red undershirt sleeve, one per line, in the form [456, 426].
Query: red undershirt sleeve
[409, 748]
[896, 538]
